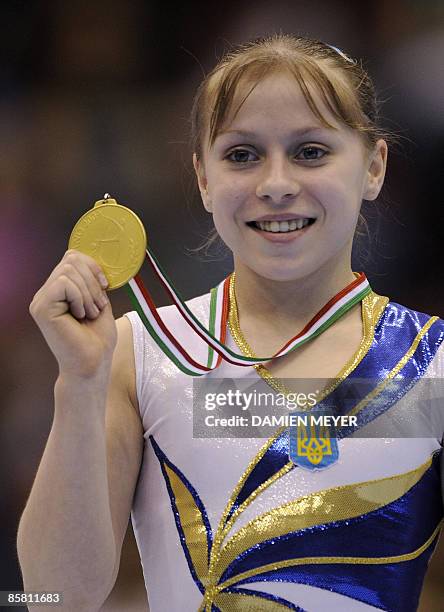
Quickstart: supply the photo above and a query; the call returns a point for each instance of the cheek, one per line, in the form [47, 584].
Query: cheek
[338, 191]
[227, 198]
[226, 185]
[227, 204]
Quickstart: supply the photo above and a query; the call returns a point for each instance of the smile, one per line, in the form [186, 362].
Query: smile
[280, 227]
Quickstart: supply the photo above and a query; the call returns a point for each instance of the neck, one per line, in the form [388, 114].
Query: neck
[294, 302]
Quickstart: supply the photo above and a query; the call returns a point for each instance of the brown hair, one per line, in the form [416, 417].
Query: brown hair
[342, 83]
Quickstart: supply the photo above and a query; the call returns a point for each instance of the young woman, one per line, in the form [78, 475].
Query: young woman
[287, 146]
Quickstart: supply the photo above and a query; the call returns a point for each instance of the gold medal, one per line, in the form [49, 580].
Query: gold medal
[114, 237]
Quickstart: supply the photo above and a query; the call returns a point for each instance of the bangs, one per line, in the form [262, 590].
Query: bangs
[225, 83]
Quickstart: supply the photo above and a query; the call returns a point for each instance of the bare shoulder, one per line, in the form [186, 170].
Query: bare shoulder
[123, 368]
[123, 422]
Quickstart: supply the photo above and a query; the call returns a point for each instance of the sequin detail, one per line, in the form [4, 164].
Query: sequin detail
[190, 516]
[391, 526]
[346, 519]
[330, 505]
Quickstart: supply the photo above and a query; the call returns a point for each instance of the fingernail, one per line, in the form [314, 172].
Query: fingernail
[103, 300]
[102, 280]
[95, 310]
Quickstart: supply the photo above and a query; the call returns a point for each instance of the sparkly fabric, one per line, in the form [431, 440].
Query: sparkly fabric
[385, 532]
[190, 516]
[352, 526]
[394, 334]
[352, 548]
[323, 509]
[375, 368]
[393, 592]
[392, 353]
[275, 459]
[243, 600]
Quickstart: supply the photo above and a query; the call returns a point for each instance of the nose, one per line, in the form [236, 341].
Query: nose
[278, 182]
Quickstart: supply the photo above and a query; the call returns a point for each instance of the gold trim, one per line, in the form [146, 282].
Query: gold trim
[340, 560]
[221, 531]
[398, 367]
[241, 602]
[374, 313]
[373, 305]
[194, 530]
[321, 507]
[284, 470]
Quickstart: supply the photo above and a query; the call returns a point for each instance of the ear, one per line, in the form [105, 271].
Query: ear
[202, 182]
[376, 170]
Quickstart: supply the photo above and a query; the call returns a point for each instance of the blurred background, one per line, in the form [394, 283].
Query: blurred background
[95, 97]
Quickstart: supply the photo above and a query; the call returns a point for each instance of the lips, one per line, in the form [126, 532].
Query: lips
[282, 217]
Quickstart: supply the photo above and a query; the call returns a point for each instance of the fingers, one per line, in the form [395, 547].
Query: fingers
[76, 284]
[91, 295]
[77, 259]
[75, 298]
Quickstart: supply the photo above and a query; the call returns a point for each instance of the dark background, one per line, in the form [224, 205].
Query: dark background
[95, 97]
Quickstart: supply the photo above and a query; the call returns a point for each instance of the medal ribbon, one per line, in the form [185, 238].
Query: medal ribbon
[216, 335]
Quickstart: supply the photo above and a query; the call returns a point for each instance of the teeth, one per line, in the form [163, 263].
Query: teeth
[282, 226]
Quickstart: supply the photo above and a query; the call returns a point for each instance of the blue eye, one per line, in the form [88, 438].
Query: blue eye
[241, 156]
[312, 153]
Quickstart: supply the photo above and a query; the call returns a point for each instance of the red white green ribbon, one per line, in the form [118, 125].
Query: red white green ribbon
[216, 335]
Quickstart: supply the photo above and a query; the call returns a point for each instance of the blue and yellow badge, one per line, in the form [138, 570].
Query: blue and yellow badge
[311, 444]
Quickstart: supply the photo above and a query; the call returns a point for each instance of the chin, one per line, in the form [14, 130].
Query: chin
[282, 273]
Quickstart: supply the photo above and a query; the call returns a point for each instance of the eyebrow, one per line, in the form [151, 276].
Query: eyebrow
[294, 133]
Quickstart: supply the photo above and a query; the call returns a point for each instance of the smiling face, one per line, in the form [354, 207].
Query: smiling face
[285, 191]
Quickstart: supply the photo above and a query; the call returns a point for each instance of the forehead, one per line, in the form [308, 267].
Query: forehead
[275, 98]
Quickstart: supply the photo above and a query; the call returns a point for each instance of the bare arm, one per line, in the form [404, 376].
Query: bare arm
[124, 433]
[72, 529]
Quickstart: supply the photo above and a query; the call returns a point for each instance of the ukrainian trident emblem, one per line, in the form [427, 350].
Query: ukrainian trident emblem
[312, 445]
